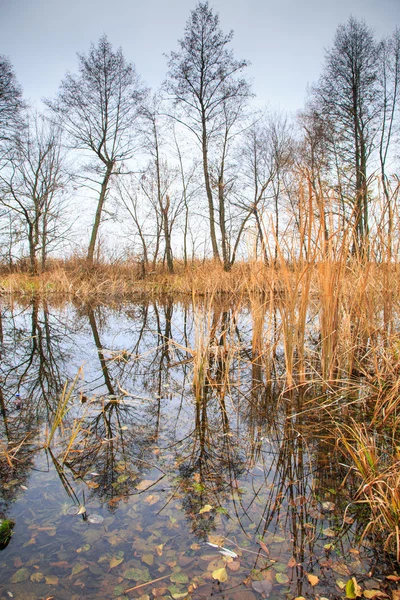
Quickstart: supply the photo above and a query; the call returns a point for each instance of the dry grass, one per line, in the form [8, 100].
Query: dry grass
[377, 466]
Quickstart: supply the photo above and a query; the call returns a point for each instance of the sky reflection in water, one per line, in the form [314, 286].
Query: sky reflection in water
[176, 437]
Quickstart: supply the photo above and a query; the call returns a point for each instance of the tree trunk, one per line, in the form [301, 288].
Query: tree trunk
[209, 191]
[99, 210]
[168, 249]
[222, 225]
[33, 267]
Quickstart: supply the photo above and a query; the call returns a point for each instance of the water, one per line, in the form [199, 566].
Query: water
[178, 462]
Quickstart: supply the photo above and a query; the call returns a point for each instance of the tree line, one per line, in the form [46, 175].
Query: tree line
[194, 169]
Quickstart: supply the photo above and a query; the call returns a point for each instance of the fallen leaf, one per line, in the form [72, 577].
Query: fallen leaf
[78, 568]
[220, 575]
[137, 574]
[52, 580]
[92, 484]
[312, 579]
[352, 589]
[374, 594]
[152, 499]
[329, 532]
[194, 546]
[207, 508]
[234, 565]
[216, 563]
[179, 577]
[159, 549]
[292, 562]
[282, 578]
[148, 559]
[29, 542]
[341, 568]
[216, 540]
[143, 485]
[114, 562]
[20, 575]
[37, 577]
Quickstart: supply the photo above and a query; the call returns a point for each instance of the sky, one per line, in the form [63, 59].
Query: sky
[285, 40]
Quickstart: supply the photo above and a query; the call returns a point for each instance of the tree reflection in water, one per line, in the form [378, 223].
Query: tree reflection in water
[179, 405]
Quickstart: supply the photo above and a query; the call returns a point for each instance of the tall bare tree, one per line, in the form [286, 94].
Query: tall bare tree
[11, 102]
[346, 97]
[98, 108]
[204, 78]
[389, 91]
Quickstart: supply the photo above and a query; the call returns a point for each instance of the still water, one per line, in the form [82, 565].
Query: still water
[149, 451]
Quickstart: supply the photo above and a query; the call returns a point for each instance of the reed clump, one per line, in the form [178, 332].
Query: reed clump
[375, 459]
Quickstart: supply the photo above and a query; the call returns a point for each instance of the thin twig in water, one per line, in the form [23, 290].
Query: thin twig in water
[137, 587]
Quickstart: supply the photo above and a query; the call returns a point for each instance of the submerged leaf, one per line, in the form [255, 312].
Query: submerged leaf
[159, 549]
[281, 578]
[114, 562]
[179, 578]
[78, 568]
[20, 575]
[220, 575]
[137, 574]
[207, 508]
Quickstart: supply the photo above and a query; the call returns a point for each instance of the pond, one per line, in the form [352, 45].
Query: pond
[150, 450]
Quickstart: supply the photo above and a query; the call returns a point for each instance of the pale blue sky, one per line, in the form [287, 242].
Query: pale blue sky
[283, 39]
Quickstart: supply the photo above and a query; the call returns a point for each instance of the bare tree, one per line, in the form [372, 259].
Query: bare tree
[147, 225]
[32, 187]
[98, 108]
[204, 78]
[267, 154]
[161, 173]
[346, 97]
[189, 187]
[389, 91]
[11, 102]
